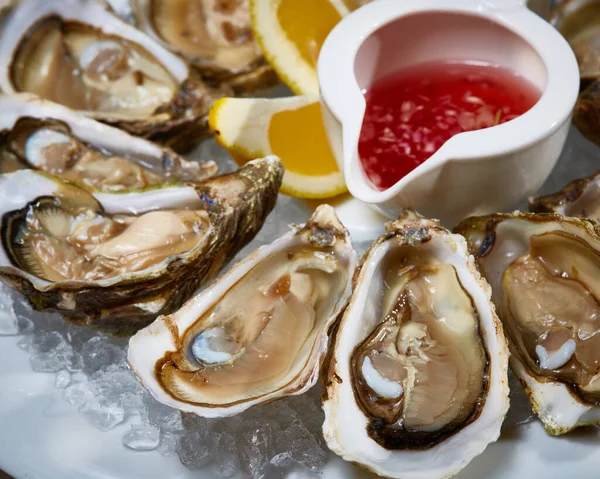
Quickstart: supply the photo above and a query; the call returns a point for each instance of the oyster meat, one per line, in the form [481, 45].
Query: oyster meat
[543, 269]
[417, 383]
[115, 261]
[76, 53]
[42, 135]
[579, 198]
[259, 333]
[215, 36]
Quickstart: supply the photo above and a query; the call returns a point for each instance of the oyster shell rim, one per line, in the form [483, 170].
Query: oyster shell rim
[184, 122]
[259, 73]
[557, 15]
[558, 201]
[203, 301]
[47, 286]
[93, 14]
[582, 413]
[19, 105]
[127, 306]
[413, 229]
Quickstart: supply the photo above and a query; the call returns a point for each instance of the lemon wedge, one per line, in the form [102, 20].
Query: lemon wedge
[291, 128]
[291, 33]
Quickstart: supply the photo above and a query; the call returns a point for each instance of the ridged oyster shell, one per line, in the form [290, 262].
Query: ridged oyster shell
[222, 49]
[39, 134]
[218, 217]
[78, 54]
[257, 334]
[580, 198]
[577, 20]
[542, 269]
[381, 361]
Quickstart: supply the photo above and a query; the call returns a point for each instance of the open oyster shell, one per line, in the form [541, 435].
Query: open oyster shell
[257, 334]
[579, 198]
[417, 383]
[222, 48]
[39, 134]
[543, 269]
[577, 21]
[76, 53]
[115, 261]
[586, 114]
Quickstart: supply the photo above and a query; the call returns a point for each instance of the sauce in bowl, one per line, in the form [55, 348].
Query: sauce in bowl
[412, 113]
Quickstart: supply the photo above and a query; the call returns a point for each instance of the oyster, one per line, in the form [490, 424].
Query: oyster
[259, 333]
[586, 114]
[76, 53]
[579, 198]
[417, 384]
[543, 269]
[39, 134]
[115, 261]
[222, 47]
[578, 21]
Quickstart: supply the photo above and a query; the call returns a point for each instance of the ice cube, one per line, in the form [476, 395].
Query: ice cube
[226, 456]
[193, 452]
[78, 393]
[46, 362]
[304, 447]
[253, 447]
[63, 378]
[143, 437]
[25, 325]
[25, 343]
[9, 321]
[199, 424]
[132, 402]
[98, 353]
[168, 444]
[53, 353]
[102, 416]
[283, 459]
[115, 381]
[164, 417]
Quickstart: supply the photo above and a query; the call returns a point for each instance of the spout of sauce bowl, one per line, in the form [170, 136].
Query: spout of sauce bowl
[474, 172]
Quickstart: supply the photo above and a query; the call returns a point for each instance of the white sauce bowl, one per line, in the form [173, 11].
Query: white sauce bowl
[475, 172]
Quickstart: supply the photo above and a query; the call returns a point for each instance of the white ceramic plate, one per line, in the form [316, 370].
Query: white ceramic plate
[42, 436]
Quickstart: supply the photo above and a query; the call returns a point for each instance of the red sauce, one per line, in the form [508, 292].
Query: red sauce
[413, 112]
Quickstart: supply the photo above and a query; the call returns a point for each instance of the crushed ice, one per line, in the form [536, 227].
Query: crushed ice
[93, 377]
[91, 372]
[9, 322]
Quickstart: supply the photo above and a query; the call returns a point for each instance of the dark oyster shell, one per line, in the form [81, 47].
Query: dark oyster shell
[580, 198]
[237, 205]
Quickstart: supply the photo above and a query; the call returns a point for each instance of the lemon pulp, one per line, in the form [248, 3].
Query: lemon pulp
[302, 150]
[306, 29]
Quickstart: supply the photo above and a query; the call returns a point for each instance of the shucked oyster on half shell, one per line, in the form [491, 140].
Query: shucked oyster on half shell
[215, 36]
[39, 134]
[76, 53]
[259, 333]
[578, 21]
[579, 198]
[544, 270]
[417, 383]
[115, 261]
